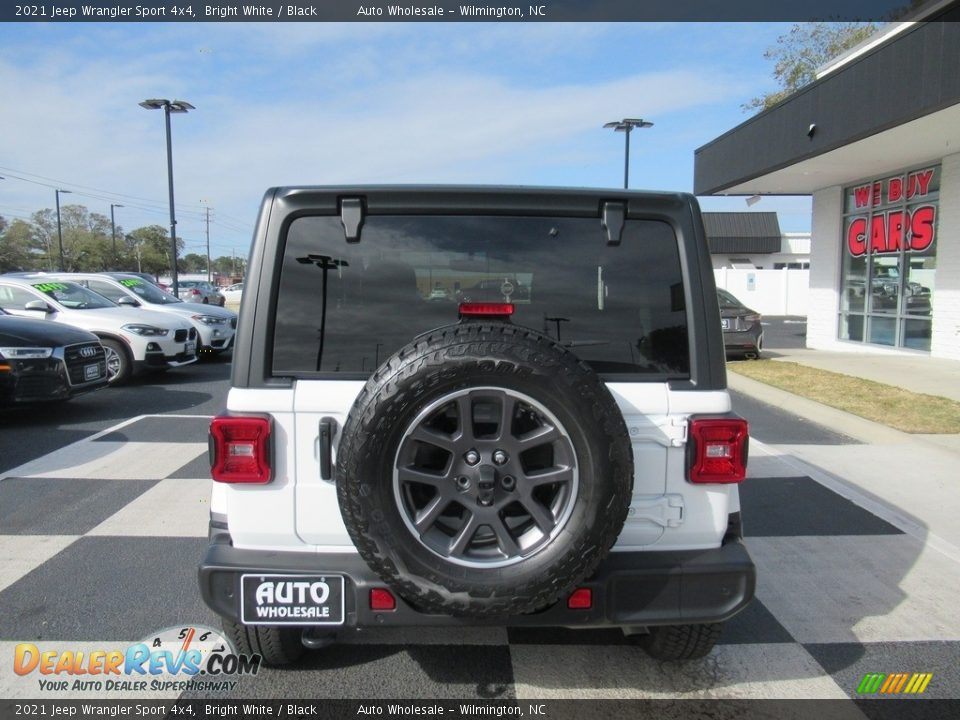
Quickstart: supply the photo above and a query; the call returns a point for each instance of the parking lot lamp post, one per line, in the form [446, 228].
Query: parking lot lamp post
[113, 233]
[170, 106]
[59, 227]
[626, 126]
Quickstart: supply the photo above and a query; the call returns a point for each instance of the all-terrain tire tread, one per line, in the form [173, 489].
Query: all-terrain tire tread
[681, 642]
[276, 645]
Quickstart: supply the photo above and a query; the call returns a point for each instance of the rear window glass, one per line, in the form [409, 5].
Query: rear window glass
[344, 308]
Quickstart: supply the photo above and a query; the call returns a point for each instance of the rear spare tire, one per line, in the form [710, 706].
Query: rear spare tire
[484, 470]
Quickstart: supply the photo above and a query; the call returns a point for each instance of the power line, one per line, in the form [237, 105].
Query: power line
[109, 196]
[61, 183]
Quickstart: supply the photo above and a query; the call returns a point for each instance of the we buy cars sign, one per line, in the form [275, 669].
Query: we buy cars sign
[887, 231]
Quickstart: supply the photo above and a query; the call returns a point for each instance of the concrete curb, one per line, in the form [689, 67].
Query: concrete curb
[837, 420]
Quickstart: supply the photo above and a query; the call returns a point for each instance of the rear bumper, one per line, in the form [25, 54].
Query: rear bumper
[630, 589]
[745, 341]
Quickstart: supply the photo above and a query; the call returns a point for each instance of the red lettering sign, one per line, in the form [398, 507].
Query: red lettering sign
[857, 237]
[921, 228]
[895, 189]
[888, 232]
[919, 183]
[861, 196]
[895, 230]
[877, 190]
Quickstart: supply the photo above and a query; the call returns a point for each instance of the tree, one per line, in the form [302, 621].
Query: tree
[193, 263]
[152, 245]
[17, 247]
[44, 223]
[798, 54]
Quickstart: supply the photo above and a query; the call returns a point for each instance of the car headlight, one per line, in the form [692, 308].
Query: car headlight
[209, 319]
[146, 330]
[25, 353]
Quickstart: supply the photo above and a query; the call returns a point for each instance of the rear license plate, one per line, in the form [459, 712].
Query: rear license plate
[725, 323]
[291, 599]
[190, 347]
[91, 372]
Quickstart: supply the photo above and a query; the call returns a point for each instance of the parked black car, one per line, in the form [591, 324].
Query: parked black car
[742, 330]
[42, 361]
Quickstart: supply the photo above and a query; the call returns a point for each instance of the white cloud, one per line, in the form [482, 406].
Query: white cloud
[72, 114]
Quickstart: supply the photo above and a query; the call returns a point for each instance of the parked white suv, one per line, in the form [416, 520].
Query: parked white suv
[559, 453]
[133, 339]
[215, 325]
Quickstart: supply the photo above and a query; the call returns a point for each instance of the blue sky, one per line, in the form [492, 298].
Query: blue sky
[314, 103]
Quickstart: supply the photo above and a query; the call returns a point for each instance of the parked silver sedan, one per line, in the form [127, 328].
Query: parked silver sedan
[199, 291]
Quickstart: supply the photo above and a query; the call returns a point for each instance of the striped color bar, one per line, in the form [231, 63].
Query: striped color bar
[894, 683]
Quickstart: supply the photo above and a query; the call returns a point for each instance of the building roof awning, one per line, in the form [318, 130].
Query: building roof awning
[742, 232]
[894, 106]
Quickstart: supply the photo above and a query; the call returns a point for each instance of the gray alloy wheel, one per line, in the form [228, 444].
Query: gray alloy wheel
[118, 362]
[475, 496]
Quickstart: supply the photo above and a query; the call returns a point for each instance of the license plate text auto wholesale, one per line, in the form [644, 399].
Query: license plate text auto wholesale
[292, 599]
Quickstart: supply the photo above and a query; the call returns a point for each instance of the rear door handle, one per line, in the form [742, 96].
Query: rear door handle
[328, 427]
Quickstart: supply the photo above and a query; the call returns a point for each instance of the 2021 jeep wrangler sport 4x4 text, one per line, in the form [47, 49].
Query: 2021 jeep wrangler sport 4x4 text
[557, 451]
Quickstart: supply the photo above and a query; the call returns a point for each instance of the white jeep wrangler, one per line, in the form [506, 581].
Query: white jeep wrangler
[546, 442]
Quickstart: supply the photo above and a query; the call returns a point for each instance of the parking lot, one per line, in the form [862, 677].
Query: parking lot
[103, 518]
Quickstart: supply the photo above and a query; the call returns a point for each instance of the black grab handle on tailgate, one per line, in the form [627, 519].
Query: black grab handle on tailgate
[328, 427]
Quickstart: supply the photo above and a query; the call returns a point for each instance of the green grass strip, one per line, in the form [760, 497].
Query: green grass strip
[891, 406]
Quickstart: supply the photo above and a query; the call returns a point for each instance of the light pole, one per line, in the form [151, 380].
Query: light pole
[59, 229]
[626, 126]
[113, 233]
[170, 106]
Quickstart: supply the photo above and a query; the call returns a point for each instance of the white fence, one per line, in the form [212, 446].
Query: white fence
[769, 292]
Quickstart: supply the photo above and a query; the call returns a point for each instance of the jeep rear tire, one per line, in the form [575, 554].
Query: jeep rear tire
[277, 645]
[484, 471]
[679, 642]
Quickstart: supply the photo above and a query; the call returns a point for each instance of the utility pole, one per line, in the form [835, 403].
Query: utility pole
[113, 233]
[57, 192]
[208, 243]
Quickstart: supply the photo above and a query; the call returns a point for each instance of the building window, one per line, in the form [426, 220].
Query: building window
[889, 259]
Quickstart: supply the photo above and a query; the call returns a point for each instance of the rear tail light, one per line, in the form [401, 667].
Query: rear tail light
[717, 450]
[381, 599]
[580, 599]
[240, 449]
[486, 309]
[194, 292]
[750, 319]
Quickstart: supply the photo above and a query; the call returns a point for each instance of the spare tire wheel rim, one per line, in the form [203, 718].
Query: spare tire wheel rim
[485, 477]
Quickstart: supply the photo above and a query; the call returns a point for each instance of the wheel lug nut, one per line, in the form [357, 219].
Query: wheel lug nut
[463, 483]
[508, 483]
[499, 457]
[472, 457]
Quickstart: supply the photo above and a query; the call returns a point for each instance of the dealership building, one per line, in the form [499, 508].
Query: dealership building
[876, 141]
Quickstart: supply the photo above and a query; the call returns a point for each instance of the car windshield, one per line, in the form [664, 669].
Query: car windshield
[619, 308]
[73, 296]
[148, 292]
